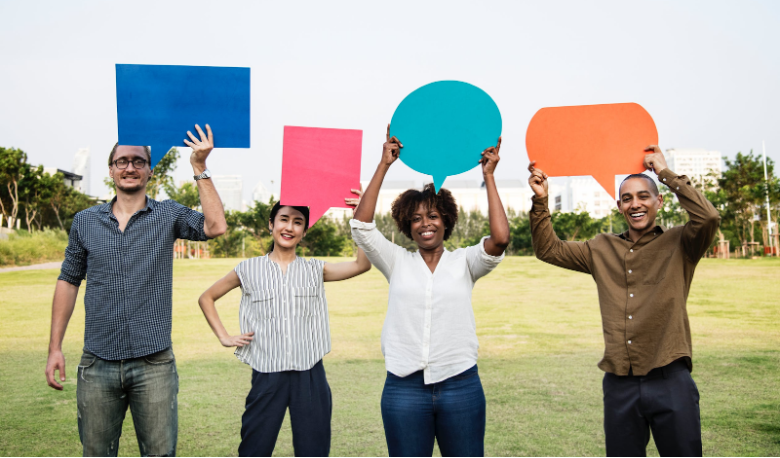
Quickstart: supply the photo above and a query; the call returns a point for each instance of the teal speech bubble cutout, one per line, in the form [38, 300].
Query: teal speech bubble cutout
[444, 127]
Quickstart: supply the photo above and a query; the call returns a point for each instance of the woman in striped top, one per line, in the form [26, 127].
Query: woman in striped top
[429, 340]
[285, 334]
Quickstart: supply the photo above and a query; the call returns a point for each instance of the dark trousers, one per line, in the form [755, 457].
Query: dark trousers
[452, 412]
[308, 396]
[665, 401]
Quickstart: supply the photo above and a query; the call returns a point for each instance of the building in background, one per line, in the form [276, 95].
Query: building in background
[578, 194]
[230, 189]
[70, 178]
[261, 193]
[81, 166]
[695, 163]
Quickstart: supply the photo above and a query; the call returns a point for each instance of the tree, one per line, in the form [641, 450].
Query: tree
[671, 213]
[322, 239]
[161, 178]
[386, 225]
[13, 163]
[229, 245]
[255, 222]
[739, 197]
[575, 226]
[520, 235]
[469, 229]
[36, 189]
[187, 194]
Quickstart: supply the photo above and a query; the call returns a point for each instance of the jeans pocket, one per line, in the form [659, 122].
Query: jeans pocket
[161, 357]
[87, 360]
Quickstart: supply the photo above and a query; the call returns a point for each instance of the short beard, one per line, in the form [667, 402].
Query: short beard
[140, 187]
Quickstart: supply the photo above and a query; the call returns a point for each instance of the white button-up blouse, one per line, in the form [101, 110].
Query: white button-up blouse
[430, 323]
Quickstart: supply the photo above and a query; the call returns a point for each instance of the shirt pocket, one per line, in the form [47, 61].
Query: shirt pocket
[654, 266]
[306, 301]
[262, 304]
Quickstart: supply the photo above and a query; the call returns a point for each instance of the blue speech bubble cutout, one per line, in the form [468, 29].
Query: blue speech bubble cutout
[444, 127]
[157, 104]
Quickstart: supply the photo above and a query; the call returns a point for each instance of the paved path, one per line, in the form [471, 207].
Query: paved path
[48, 265]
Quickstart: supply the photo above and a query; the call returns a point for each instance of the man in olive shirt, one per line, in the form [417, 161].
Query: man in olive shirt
[643, 278]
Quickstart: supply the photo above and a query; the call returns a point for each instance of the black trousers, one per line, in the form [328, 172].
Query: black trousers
[308, 396]
[665, 401]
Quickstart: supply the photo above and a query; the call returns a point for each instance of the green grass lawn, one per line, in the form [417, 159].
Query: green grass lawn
[540, 339]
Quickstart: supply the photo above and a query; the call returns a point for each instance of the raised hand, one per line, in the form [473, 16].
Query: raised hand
[490, 158]
[237, 341]
[391, 149]
[655, 161]
[537, 180]
[200, 147]
[353, 202]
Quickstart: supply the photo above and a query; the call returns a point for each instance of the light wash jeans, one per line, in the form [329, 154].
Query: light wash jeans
[148, 385]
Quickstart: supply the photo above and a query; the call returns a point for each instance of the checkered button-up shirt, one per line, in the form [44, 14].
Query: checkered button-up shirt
[129, 275]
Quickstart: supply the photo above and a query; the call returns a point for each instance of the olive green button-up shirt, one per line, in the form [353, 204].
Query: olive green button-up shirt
[643, 285]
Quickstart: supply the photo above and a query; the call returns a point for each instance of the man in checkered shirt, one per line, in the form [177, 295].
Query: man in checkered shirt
[125, 250]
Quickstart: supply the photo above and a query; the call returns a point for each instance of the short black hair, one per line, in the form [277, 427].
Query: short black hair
[653, 187]
[304, 210]
[406, 204]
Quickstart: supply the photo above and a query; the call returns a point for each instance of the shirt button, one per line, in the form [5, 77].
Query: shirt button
[631, 295]
[630, 317]
[629, 342]
[631, 250]
[629, 270]
[678, 188]
[664, 179]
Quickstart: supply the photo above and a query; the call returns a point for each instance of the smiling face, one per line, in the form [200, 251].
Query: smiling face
[639, 204]
[288, 228]
[130, 180]
[427, 227]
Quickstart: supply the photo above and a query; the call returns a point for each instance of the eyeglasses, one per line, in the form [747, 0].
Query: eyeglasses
[122, 164]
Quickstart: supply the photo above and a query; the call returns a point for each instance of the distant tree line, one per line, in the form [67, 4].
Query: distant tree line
[39, 200]
[35, 198]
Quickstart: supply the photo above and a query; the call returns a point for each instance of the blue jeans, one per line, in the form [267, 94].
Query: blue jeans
[452, 412]
[148, 385]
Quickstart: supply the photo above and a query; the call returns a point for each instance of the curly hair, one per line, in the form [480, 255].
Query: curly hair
[406, 204]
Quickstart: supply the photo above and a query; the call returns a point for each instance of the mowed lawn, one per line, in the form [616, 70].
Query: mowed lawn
[540, 339]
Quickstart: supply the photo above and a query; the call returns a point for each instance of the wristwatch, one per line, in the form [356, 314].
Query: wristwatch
[206, 174]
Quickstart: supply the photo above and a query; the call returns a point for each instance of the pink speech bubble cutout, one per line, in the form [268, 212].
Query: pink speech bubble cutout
[320, 167]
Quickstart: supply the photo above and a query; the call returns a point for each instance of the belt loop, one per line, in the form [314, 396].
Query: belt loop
[664, 370]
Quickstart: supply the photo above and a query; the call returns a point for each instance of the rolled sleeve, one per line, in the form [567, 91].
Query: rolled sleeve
[74, 267]
[479, 261]
[190, 224]
[380, 251]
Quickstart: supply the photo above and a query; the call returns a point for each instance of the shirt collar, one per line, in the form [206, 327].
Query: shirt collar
[151, 204]
[657, 230]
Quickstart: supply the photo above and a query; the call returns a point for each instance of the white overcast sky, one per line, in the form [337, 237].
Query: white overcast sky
[708, 72]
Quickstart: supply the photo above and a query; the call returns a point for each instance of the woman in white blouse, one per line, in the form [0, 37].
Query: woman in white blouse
[429, 339]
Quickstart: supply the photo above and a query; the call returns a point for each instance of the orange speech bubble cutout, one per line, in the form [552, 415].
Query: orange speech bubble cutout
[597, 140]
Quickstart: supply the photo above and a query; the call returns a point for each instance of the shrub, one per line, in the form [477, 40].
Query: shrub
[24, 248]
